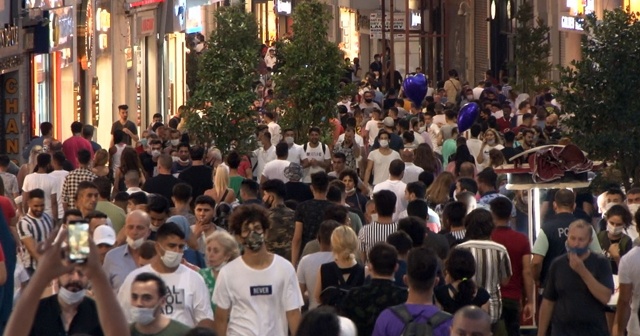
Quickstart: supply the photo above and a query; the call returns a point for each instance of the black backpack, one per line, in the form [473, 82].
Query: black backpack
[334, 295]
[424, 328]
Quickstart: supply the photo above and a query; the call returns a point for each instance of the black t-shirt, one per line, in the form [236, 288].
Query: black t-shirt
[298, 192]
[48, 319]
[510, 152]
[576, 311]
[161, 185]
[357, 201]
[311, 214]
[200, 178]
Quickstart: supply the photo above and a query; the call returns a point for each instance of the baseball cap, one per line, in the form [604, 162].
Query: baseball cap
[104, 234]
[388, 122]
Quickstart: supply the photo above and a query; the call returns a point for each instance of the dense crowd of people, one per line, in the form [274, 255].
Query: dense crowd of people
[400, 225]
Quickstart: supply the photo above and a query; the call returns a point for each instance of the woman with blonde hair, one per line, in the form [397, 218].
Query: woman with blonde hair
[440, 190]
[100, 168]
[221, 191]
[30, 166]
[490, 140]
[344, 272]
[222, 248]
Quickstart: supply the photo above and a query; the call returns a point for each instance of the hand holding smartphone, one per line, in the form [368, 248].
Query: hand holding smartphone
[78, 240]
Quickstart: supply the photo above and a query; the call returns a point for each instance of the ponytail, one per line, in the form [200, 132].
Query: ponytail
[466, 292]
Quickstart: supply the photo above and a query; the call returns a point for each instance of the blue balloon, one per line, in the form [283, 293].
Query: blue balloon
[467, 116]
[415, 88]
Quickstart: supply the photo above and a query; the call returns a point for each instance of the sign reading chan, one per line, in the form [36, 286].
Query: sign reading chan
[11, 112]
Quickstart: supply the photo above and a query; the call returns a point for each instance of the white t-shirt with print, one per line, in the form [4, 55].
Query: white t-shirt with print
[47, 183]
[263, 156]
[381, 164]
[274, 170]
[188, 301]
[258, 299]
[319, 155]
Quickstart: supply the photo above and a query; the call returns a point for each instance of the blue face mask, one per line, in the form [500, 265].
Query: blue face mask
[579, 251]
[443, 100]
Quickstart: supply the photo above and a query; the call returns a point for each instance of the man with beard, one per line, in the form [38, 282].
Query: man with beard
[69, 312]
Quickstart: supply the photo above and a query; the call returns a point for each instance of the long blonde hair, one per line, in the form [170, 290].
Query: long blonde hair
[344, 243]
[440, 189]
[221, 180]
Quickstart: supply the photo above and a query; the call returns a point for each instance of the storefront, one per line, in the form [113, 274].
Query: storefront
[54, 91]
[174, 52]
[100, 96]
[349, 32]
[13, 112]
[266, 18]
[142, 60]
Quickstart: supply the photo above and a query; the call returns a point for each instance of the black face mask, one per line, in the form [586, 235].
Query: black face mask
[549, 128]
[368, 100]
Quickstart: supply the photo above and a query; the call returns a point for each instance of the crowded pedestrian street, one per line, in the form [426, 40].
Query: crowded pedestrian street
[320, 168]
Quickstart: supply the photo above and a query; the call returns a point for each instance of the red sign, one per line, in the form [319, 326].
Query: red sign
[140, 3]
[147, 25]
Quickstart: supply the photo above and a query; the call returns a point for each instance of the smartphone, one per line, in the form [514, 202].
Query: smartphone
[78, 240]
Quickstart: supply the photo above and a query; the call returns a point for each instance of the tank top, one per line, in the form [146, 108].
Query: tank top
[117, 154]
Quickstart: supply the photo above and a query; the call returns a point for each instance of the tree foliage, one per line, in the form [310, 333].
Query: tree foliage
[532, 50]
[600, 92]
[220, 109]
[310, 68]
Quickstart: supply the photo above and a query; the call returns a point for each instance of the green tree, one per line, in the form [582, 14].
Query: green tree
[220, 109]
[599, 93]
[532, 50]
[309, 71]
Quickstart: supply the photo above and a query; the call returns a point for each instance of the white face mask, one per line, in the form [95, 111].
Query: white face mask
[633, 208]
[135, 244]
[491, 142]
[171, 259]
[143, 316]
[615, 230]
[70, 297]
[384, 143]
[349, 191]
[175, 142]
[155, 153]
[469, 97]
[289, 140]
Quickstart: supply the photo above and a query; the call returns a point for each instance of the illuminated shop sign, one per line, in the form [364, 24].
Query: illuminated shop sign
[11, 110]
[283, 7]
[140, 3]
[195, 21]
[103, 25]
[570, 23]
[43, 4]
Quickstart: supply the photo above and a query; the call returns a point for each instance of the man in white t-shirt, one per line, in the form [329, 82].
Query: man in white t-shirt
[274, 170]
[411, 171]
[310, 264]
[40, 179]
[59, 174]
[318, 154]
[263, 155]
[258, 293]
[296, 152]
[379, 160]
[629, 293]
[274, 129]
[188, 301]
[372, 127]
[474, 144]
[395, 184]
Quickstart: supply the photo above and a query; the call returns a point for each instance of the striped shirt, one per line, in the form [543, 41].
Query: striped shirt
[374, 233]
[36, 228]
[492, 265]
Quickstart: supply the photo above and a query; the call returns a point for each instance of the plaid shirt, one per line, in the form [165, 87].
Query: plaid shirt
[71, 184]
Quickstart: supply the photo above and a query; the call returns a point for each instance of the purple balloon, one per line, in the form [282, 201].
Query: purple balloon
[467, 116]
[415, 88]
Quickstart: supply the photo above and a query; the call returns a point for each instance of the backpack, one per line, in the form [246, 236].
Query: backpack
[413, 328]
[334, 295]
[222, 212]
[624, 241]
[324, 148]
